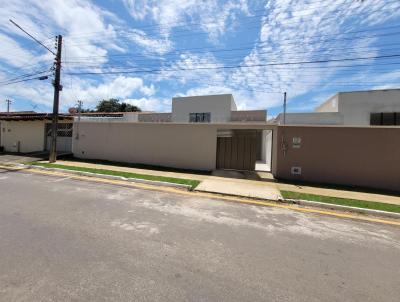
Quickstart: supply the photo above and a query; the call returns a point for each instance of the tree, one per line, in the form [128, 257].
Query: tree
[114, 105]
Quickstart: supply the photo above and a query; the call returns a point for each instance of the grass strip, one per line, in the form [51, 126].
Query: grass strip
[192, 183]
[343, 201]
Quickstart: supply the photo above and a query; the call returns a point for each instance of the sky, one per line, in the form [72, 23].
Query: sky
[145, 52]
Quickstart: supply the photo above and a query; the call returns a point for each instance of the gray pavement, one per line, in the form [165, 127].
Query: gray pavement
[12, 158]
[68, 240]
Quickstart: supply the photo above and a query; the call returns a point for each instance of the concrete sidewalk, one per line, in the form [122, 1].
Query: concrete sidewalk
[240, 187]
[209, 183]
[263, 188]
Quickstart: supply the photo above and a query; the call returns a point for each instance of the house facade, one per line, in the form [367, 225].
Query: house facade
[26, 132]
[357, 108]
[201, 133]
[208, 133]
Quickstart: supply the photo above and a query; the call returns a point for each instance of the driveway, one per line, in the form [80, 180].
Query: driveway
[8, 158]
[69, 240]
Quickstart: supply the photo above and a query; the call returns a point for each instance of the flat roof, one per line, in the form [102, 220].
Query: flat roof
[200, 96]
[14, 116]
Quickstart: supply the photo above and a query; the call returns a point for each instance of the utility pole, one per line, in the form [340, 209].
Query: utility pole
[56, 101]
[80, 103]
[57, 88]
[284, 108]
[8, 105]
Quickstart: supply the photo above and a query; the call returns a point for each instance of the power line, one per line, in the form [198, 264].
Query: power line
[241, 66]
[32, 37]
[212, 50]
[224, 59]
[25, 80]
[24, 76]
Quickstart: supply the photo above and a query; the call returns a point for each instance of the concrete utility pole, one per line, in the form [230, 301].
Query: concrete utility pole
[284, 108]
[56, 101]
[57, 88]
[8, 105]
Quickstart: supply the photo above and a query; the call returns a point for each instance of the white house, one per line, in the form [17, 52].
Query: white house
[356, 108]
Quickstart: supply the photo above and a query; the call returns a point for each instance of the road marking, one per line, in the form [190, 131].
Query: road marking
[60, 179]
[214, 196]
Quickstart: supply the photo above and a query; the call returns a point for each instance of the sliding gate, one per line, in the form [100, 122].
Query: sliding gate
[239, 151]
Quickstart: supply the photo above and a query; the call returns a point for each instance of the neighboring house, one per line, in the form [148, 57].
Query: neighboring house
[27, 132]
[357, 108]
[201, 132]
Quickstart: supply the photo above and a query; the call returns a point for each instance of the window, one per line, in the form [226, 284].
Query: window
[385, 119]
[204, 117]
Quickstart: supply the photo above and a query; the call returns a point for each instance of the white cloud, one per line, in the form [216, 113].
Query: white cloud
[210, 16]
[158, 46]
[296, 31]
[14, 54]
[147, 104]
[90, 93]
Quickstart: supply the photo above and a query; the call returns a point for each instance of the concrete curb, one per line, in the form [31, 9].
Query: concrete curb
[90, 174]
[341, 208]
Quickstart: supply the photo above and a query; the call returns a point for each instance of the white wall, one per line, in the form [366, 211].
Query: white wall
[266, 152]
[356, 107]
[29, 134]
[330, 105]
[219, 106]
[311, 118]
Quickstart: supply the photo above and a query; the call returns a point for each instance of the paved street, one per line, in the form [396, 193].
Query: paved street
[68, 240]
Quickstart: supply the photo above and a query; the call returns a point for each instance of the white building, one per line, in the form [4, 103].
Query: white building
[357, 108]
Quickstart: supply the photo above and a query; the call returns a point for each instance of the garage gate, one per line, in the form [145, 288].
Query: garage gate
[64, 137]
[239, 151]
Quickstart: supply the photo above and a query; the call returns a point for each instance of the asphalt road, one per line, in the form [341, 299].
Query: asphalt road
[68, 240]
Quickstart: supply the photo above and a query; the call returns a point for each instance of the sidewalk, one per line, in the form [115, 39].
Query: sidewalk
[209, 183]
[264, 188]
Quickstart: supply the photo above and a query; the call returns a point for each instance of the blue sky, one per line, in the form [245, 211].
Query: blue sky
[146, 51]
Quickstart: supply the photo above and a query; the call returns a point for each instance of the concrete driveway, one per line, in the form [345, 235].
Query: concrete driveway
[69, 240]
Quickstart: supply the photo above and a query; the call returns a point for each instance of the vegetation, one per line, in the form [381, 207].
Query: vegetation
[113, 105]
[343, 201]
[135, 165]
[192, 183]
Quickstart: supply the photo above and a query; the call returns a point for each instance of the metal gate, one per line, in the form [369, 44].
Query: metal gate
[64, 137]
[240, 151]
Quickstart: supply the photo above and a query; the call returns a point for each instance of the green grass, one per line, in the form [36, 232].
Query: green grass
[343, 201]
[135, 165]
[192, 183]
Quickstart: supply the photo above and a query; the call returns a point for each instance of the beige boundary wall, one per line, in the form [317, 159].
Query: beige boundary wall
[22, 136]
[355, 156]
[186, 146]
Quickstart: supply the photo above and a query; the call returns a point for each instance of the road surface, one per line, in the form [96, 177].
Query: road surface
[69, 240]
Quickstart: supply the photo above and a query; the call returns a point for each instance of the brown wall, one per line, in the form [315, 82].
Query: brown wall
[365, 157]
